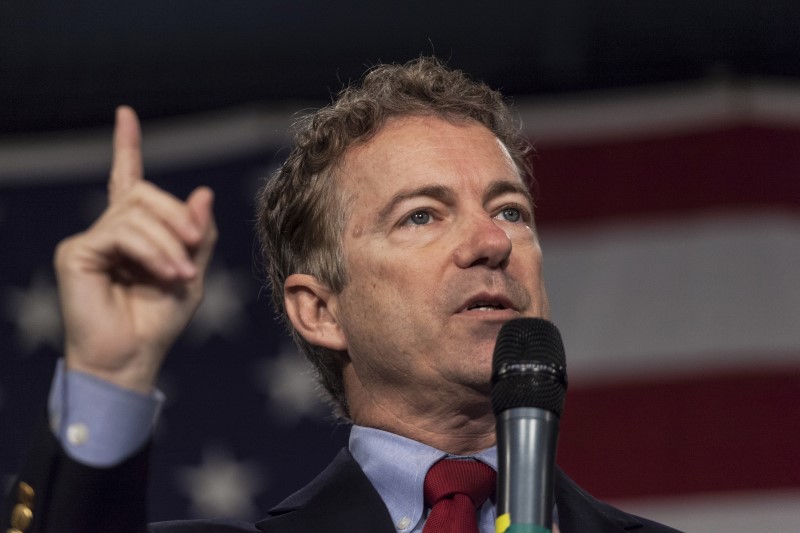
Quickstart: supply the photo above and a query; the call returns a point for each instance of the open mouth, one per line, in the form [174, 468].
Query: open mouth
[486, 306]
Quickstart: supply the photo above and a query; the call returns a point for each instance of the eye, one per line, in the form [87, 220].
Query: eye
[510, 214]
[419, 218]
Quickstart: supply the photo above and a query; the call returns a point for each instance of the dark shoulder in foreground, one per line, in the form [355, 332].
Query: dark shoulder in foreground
[579, 512]
[202, 526]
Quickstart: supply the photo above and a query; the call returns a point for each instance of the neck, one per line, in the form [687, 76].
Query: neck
[461, 422]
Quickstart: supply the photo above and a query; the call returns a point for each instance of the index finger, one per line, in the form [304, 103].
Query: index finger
[126, 165]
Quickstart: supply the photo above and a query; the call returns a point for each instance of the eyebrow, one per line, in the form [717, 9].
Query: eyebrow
[437, 192]
[447, 195]
[499, 188]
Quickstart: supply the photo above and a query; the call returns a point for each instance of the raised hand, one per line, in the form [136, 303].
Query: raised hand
[129, 284]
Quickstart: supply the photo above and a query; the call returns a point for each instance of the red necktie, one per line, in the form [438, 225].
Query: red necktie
[454, 489]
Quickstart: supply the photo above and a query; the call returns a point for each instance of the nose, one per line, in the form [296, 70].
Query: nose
[482, 242]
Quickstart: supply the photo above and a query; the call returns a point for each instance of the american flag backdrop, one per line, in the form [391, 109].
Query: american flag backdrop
[670, 223]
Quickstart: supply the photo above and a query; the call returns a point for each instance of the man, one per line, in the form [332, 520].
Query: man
[398, 237]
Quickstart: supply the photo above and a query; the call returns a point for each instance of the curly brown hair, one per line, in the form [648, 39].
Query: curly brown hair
[300, 209]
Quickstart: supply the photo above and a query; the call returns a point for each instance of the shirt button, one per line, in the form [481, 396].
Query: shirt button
[403, 523]
[77, 434]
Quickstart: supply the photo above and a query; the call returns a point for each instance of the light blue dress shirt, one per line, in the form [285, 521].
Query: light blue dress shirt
[99, 424]
[397, 466]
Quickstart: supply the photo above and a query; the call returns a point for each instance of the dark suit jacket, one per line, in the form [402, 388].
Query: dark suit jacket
[73, 498]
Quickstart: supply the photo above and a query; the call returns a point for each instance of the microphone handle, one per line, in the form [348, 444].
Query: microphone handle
[527, 438]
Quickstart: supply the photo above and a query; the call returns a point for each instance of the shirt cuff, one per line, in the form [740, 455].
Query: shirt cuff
[97, 423]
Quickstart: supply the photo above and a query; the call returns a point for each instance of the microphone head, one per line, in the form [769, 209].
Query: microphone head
[529, 366]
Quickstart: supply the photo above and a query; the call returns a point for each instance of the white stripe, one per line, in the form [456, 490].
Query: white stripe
[659, 110]
[676, 295]
[548, 121]
[166, 144]
[776, 512]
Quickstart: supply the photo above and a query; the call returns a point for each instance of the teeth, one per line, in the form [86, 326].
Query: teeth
[485, 307]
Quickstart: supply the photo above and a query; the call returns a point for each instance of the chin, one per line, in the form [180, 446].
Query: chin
[479, 373]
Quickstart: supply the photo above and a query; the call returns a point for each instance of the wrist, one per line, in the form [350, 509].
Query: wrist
[134, 376]
[97, 423]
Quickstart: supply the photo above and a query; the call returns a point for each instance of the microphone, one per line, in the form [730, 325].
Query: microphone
[529, 383]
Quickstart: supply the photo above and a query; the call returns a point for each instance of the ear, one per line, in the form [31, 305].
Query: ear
[311, 307]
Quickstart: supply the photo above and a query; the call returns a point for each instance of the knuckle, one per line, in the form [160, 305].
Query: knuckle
[61, 253]
[133, 193]
[65, 251]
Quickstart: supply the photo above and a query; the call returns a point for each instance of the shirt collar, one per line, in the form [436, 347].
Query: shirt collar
[396, 467]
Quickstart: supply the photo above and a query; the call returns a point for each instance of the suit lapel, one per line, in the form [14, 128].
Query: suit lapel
[578, 512]
[340, 499]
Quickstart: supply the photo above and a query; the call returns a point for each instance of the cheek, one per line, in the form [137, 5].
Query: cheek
[527, 251]
[389, 268]
[394, 282]
[376, 287]
[527, 264]
[521, 235]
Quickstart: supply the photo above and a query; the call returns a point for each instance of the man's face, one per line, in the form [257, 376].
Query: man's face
[440, 251]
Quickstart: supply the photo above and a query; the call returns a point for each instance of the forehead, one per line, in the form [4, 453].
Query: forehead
[421, 150]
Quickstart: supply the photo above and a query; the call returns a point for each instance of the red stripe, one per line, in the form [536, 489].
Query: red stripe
[733, 167]
[705, 433]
